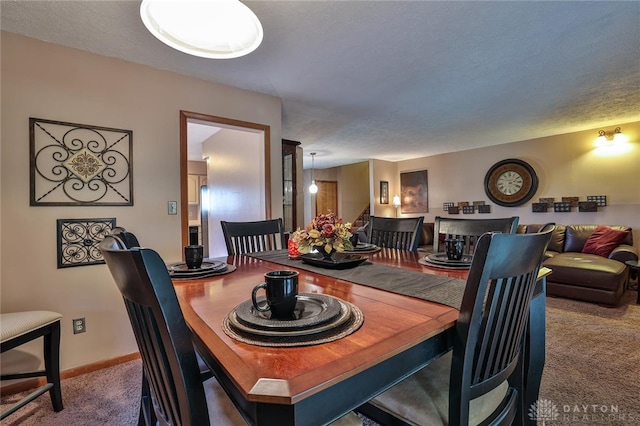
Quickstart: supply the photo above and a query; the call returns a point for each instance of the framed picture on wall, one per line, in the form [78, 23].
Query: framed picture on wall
[384, 192]
[414, 192]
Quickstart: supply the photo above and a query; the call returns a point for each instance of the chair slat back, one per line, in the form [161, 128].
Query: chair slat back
[250, 237]
[162, 335]
[493, 316]
[470, 230]
[398, 233]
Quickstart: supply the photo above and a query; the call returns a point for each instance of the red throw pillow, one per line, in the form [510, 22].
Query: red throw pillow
[604, 240]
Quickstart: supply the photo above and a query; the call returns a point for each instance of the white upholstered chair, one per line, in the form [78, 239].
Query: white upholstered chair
[18, 328]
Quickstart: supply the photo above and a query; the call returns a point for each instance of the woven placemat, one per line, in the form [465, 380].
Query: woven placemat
[353, 324]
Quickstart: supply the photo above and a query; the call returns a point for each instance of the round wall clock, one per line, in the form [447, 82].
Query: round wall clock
[510, 182]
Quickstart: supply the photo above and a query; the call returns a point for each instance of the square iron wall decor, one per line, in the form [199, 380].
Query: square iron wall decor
[79, 165]
[78, 241]
[414, 192]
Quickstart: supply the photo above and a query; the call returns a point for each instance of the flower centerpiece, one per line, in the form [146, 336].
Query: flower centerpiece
[325, 233]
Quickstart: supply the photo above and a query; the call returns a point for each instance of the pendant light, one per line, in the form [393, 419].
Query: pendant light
[313, 188]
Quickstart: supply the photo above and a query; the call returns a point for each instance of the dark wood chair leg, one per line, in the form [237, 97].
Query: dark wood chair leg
[52, 364]
[534, 351]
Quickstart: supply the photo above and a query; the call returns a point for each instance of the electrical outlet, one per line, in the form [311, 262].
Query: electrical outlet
[79, 325]
[172, 207]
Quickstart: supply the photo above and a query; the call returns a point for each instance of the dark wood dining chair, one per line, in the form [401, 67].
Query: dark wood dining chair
[398, 233]
[481, 380]
[128, 238]
[469, 230]
[251, 237]
[178, 394]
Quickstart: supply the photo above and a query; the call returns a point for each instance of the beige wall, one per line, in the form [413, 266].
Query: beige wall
[52, 82]
[566, 165]
[387, 171]
[353, 190]
[236, 171]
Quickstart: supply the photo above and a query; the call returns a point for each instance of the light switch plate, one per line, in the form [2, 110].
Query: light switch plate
[172, 207]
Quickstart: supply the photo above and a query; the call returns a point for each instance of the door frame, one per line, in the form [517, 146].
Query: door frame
[221, 122]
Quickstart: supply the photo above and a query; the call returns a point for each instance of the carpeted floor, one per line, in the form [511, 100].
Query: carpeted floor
[592, 370]
[591, 377]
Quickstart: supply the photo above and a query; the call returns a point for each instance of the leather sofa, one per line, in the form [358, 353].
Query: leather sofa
[586, 276]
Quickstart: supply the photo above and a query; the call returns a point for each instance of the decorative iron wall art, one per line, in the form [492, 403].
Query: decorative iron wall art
[80, 165]
[78, 241]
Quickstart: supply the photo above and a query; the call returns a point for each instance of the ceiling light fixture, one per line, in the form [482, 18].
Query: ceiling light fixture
[313, 188]
[606, 139]
[218, 29]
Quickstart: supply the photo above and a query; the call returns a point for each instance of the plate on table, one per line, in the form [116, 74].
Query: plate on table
[192, 274]
[364, 248]
[338, 261]
[344, 314]
[207, 266]
[441, 260]
[311, 310]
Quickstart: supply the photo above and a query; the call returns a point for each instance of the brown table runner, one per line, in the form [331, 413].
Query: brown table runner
[434, 288]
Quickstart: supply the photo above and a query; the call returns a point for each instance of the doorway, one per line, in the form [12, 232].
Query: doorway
[259, 203]
[327, 197]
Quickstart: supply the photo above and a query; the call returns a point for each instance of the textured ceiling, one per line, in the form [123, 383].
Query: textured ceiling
[394, 80]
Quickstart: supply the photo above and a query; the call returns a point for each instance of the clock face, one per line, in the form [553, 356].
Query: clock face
[510, 182]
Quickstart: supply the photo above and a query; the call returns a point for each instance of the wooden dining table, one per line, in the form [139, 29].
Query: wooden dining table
[316, 384]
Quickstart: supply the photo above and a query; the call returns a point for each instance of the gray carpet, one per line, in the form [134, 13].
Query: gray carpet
[592, 370]
[591, 377]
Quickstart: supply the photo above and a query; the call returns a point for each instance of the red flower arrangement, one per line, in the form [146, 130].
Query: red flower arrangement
[326, 233]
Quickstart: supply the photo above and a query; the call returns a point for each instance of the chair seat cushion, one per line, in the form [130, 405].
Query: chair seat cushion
[221, 409]
[16, 324]
[222, 412]
[423, 398]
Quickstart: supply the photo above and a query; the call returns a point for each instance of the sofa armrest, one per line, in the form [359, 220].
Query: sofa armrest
[623, 253]
[550, 253]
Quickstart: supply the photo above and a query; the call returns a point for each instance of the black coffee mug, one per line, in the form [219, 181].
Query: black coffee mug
[193, 256]
[453, 248]
[282, 291]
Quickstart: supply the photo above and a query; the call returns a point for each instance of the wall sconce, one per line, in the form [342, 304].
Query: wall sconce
[396, 203]
[608, 139]
[313, 188]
